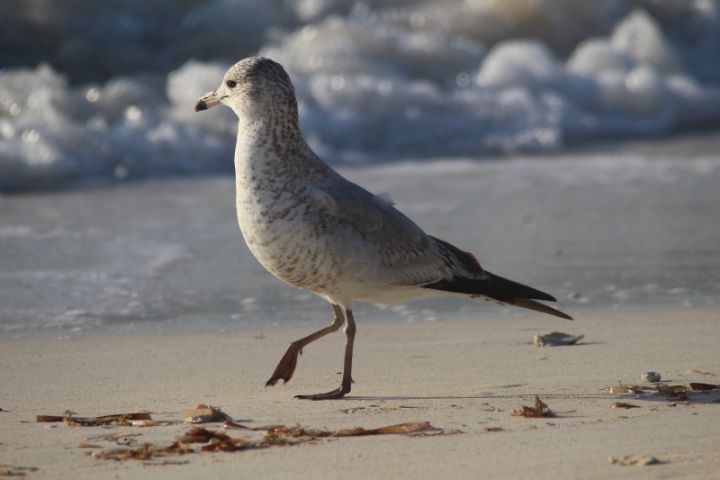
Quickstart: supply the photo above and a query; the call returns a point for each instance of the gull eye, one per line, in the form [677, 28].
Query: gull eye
[231, 83]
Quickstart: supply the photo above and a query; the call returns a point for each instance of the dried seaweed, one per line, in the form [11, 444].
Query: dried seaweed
[676, 392]
[640, 460]
[703, 387]
[275, 435]
[556, 339]
[15, 471]
[410, 428]
[213, 440]
[125, 419]
[634, 389]
[540, 410]
[623, 405]
[144, 452]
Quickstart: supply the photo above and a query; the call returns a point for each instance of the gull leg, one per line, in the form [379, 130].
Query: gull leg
[286, 367]
[347, 380]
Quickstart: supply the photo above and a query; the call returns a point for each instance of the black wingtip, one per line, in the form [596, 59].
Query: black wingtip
[491, 285]
[540, 307]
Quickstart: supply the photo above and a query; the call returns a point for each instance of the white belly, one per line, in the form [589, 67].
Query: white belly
[278, 232]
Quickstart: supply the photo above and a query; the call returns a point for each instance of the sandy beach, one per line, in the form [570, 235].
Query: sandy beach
[464, 375]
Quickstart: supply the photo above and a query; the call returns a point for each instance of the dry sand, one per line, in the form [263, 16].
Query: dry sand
[457, 375]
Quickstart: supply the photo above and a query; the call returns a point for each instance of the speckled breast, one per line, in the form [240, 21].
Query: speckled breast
[283, 233]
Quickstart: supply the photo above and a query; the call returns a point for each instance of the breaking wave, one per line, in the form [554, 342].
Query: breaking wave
[98, 90]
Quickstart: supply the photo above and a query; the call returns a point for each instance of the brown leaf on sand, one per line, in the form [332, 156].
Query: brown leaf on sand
[206, 414]
[556, 339]
[540, 410]
[118, 418]
[623, 405]
[703, 387]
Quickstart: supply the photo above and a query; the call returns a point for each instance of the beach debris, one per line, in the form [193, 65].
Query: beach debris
[540, 410]
[623, 405]
[214, 441]
[352, 409]
[144, 452]
[121, 438]
[694, 371]
[556, 339]
[494, 429]
[15, 471]
[674, 392]
[651, 377]
[87, 445]
[703, 387]
[125, 419]
[274, 436]
[627, 388]
[166, 462]
[206, 414]
[639, 460]
[409, 428]
[678, 392]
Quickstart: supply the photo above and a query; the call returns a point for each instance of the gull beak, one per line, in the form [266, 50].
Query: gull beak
[208, 100]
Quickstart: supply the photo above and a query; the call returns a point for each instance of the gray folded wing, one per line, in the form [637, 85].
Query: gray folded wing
[407, 254]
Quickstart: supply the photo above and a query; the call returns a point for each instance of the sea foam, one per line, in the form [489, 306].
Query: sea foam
[376, 81]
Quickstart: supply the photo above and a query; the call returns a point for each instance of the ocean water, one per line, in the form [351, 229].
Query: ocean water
[104, 91]
[571, 144]
[607, 230]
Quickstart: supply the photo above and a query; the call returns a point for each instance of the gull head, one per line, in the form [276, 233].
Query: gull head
[255, 87]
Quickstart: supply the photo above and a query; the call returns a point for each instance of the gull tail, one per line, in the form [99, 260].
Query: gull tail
[502, 290]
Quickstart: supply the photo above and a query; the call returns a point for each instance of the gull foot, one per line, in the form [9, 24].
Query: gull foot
[332, 395]
[286, 366]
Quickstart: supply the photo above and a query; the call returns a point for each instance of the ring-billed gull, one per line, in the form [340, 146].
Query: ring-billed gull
[312, 228]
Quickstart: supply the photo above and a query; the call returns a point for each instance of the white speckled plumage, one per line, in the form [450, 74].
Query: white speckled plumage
[312, 228]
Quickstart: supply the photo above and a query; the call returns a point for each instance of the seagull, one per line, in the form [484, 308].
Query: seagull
[314, 229]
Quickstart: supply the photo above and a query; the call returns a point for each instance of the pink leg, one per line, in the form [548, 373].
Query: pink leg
[347, 370]
[286, 367]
